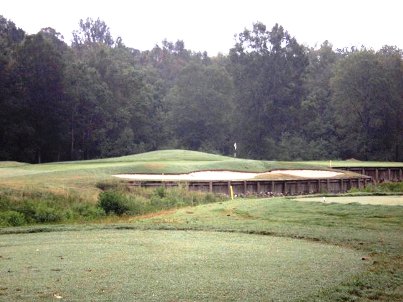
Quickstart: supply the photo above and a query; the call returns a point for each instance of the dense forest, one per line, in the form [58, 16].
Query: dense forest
[277, 99]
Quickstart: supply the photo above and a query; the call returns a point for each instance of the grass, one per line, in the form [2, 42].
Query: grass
[375, 231]
[81, 177]
[246, 249]
[352, 163]
[116, 265]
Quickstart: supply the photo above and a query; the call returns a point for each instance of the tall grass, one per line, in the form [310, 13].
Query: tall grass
[140, 201]
[31, 207]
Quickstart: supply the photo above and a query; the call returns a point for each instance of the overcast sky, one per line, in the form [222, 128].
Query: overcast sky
[210, 25]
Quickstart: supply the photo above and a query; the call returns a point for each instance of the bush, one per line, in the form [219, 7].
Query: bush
[88, 211]
[30, 207]
[161, 192]
[46, 214]
[113, 202]
[11, 218]
[142, 201]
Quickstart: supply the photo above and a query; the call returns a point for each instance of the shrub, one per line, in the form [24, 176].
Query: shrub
[11, 218]
[113, 202]
[44, 214]
[161, 192]
[86, 211]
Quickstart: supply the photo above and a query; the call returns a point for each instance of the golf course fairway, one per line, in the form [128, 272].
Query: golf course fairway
[134, 265]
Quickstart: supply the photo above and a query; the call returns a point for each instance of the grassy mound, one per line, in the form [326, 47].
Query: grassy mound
[8, 164]
[81, 177]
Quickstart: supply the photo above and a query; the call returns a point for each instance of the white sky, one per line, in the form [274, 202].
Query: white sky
[211, 24]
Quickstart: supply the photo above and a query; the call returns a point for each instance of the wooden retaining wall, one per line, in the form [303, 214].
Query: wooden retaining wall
[380, 174]
[265, 187]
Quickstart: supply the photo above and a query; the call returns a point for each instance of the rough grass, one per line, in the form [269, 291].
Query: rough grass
[168, 266]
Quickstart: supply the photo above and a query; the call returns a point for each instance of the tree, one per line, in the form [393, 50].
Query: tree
[200, 108]
[39, 68]
[88, 112]
[92, 32]
[317, 115]
[10, 39]
[267, 68]
[368, 104]
[391, 59]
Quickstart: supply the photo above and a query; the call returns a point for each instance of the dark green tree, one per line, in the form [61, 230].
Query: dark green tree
[200, 108]
[267, 67]
[10, 127]
[368, 104]
[39, 69]
[318, 131]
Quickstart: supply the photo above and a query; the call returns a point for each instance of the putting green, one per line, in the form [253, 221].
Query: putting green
[131, 265]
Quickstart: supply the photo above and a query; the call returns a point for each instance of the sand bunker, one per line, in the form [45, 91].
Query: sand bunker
[228, 175]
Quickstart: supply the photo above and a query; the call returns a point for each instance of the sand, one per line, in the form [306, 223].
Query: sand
[228, 175]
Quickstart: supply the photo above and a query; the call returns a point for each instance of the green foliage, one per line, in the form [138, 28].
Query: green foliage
[141, 201]
[113, 202]
[161, 192]
[200, 108]
[11, 218]
[368, 99]
[32, 207]
[276, 98]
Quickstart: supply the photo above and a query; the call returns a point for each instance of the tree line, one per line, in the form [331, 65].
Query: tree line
[277, 99]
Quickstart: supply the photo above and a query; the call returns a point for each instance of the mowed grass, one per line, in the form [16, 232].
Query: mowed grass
[209, 252]
[132, 265]
[351, 163]
[373, 230]
[246, 249]
[353, 225]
